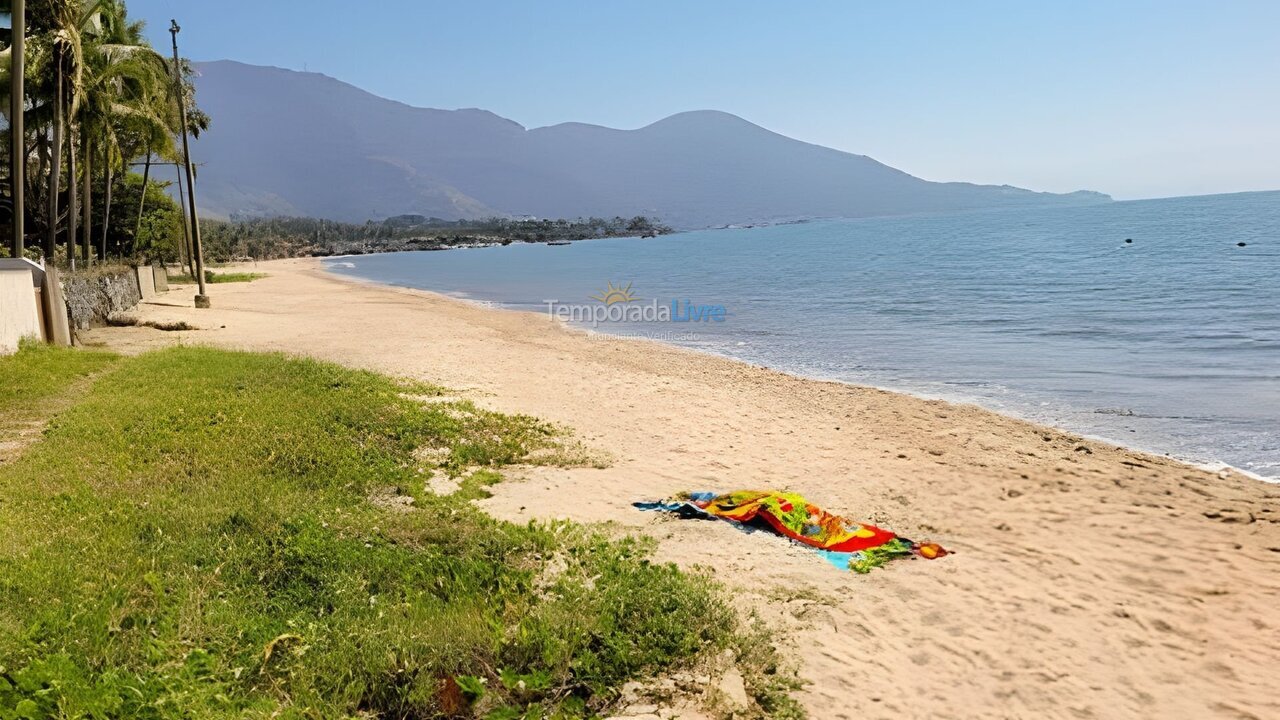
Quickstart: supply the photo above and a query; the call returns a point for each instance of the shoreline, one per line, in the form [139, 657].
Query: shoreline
[1213, 465]
[1088, 579]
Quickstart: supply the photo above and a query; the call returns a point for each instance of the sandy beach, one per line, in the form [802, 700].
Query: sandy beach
[1088, 581]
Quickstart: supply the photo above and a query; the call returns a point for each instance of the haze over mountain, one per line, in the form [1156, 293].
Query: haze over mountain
[292, 143]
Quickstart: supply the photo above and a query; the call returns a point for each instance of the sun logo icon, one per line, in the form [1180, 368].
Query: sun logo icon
[612, 294]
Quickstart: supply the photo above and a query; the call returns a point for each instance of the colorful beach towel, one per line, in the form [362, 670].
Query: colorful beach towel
[846, 544]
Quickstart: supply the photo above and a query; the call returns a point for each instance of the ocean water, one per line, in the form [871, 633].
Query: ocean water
[1169, 343]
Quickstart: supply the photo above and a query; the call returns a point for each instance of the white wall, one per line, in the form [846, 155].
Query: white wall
[18, 318]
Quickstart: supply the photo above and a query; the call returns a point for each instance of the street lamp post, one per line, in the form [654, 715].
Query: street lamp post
[202, 300]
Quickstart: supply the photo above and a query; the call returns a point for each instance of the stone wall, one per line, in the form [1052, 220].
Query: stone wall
[92, 296]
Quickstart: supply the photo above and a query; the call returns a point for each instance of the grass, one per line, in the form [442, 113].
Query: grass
[194, 537]
[219, 277]
[37, 377]
[231, 277]
[97, 269]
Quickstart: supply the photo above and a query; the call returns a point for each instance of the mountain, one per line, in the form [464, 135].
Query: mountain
[293, 143]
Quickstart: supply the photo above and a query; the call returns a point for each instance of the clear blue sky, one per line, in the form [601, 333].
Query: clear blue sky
[1134, 98]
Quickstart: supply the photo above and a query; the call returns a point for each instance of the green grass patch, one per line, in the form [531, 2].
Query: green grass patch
[195, 538]
[231, 277]
[39, 374]
[218, 277]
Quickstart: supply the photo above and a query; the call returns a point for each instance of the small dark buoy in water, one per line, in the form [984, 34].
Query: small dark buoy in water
[1241, 244]
[1128, 240]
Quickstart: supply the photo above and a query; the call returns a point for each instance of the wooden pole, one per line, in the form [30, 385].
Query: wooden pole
[202, 299]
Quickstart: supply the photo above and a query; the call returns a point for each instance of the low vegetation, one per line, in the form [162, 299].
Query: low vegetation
[219, 277]
[269, 238]
[202, 535]
[231, 277]
[37, 382]
[40, 374]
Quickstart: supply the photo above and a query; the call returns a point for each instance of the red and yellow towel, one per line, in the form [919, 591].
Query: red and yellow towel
[789, 514]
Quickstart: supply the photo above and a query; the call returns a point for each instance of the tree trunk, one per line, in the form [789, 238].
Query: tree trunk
[73, 201]
[106, 201]
[181, 245]
[55, 164]
[41, 149]
[181, 242]
[17, 135]
[86, 221]
[142, 200]
[186, 226]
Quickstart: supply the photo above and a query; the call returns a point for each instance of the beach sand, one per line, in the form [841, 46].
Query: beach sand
[1089, 581]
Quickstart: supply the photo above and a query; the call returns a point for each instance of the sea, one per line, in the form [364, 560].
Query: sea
[1154, 324]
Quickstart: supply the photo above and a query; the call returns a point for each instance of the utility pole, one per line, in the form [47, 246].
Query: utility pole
[202, 300]
[17, 136]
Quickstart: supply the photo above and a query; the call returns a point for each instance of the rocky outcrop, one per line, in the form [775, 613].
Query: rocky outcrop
[92, 296]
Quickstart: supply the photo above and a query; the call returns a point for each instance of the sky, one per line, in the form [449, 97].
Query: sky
[1129, 97]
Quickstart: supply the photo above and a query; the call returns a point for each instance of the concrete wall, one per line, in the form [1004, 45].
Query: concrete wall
[18, 315]
[146, 281]
[160, 275]
[36, 269]
[81, 300]
[91, 297]
[57, 328]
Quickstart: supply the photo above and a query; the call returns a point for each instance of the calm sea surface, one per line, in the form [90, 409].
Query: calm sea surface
[1170, 343]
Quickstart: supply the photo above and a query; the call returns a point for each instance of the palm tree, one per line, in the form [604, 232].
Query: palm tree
[166, 147]
[102, 95]
[56, 29]
[121, 108]
[62, 32]
[94, 78]
[162, 143]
